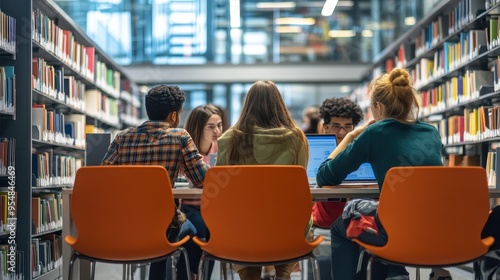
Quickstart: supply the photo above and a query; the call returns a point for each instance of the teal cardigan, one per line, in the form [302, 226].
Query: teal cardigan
[384, 144]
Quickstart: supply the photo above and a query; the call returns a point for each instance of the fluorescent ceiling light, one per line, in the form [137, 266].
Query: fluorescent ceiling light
[410, 20]
[345, 3]
[234, 13]
[329, 7]
[295, 21]
[275, 5]
[345, 89]
[288, 29]
[341, 33]
[367, 33]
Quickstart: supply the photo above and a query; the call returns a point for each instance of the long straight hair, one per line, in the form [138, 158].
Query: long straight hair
[196, 121]
[263, 107]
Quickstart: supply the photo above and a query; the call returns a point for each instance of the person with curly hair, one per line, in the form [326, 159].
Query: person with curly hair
[158, 141]
[340, 116]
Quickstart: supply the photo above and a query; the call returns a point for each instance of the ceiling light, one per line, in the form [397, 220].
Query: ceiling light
[345, 89]
[329, 7]
[341, 33]
[410, 20]
[275, 5]
[367, 33]
[288, 29]
[345, 3]
[295, 21]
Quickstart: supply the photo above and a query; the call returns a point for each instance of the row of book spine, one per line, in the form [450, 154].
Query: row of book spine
[52, 169]
[53, 126]
[7, 155]
[80, 58]
[457, 90]
[7, 32]
[7, 89]
[46, 211]
[475, 124]
[46, 253]
[6, 251]
[438, 30]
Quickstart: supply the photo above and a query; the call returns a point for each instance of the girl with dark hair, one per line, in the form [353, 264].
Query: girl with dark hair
[204, 124]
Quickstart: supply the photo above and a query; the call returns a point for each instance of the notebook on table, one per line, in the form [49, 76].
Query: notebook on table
[320, 147]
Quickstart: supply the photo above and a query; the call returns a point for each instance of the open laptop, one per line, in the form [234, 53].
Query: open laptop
[320, 147]
[364, 175]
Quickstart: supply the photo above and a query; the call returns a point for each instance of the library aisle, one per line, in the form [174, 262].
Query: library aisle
[114, 272]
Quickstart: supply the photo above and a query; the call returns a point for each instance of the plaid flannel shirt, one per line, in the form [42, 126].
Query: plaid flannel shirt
[157, 143]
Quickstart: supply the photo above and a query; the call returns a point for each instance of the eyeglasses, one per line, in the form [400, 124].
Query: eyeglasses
[337, 127]
[213, 126]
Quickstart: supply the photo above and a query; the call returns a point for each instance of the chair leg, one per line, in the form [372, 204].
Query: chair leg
[186, 259]
[201, 265]
[174, 259]
[360, 261]
[92, 271]
[124, 272]
[223, 270]
[131, 269]
[71, 263]
[369, 269]
[417, 272]
[315, 269]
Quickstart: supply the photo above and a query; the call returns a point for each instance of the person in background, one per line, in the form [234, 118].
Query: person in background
[311, 119]
[264, 134]
[204, 124]
[158, 141]
[340, 116]
[392, 139]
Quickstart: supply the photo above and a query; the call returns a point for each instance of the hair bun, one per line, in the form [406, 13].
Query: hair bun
[399, 77]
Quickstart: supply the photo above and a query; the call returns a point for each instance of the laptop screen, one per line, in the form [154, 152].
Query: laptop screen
[320, 147]
[364, 173]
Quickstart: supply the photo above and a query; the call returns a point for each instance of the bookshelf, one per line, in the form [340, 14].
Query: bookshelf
[453, 55]
[66, 87]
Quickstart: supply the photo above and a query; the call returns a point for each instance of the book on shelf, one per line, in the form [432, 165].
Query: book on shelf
[7, 155]
[7, 89]
[7, 32]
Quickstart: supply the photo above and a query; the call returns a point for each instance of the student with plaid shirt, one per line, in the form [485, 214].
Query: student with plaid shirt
[158, 141]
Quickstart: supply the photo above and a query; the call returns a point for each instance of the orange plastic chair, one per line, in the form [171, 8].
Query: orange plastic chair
[122, 214]
[257, 215]
[433, 216]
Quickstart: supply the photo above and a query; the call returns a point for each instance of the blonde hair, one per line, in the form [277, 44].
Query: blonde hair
[396, 92]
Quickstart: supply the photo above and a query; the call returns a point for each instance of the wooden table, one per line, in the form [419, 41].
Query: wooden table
[318, 194]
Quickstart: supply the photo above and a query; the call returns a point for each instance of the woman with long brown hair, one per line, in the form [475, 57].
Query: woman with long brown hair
[264, 134]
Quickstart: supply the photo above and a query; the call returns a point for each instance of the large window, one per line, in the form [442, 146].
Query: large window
[243, 31]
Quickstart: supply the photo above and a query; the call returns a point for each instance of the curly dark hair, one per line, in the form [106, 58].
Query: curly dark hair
[163, 100]
[340, 108]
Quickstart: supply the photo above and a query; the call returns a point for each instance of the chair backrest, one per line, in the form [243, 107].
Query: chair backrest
[122, 212]
[257, 212]
[434, 213]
